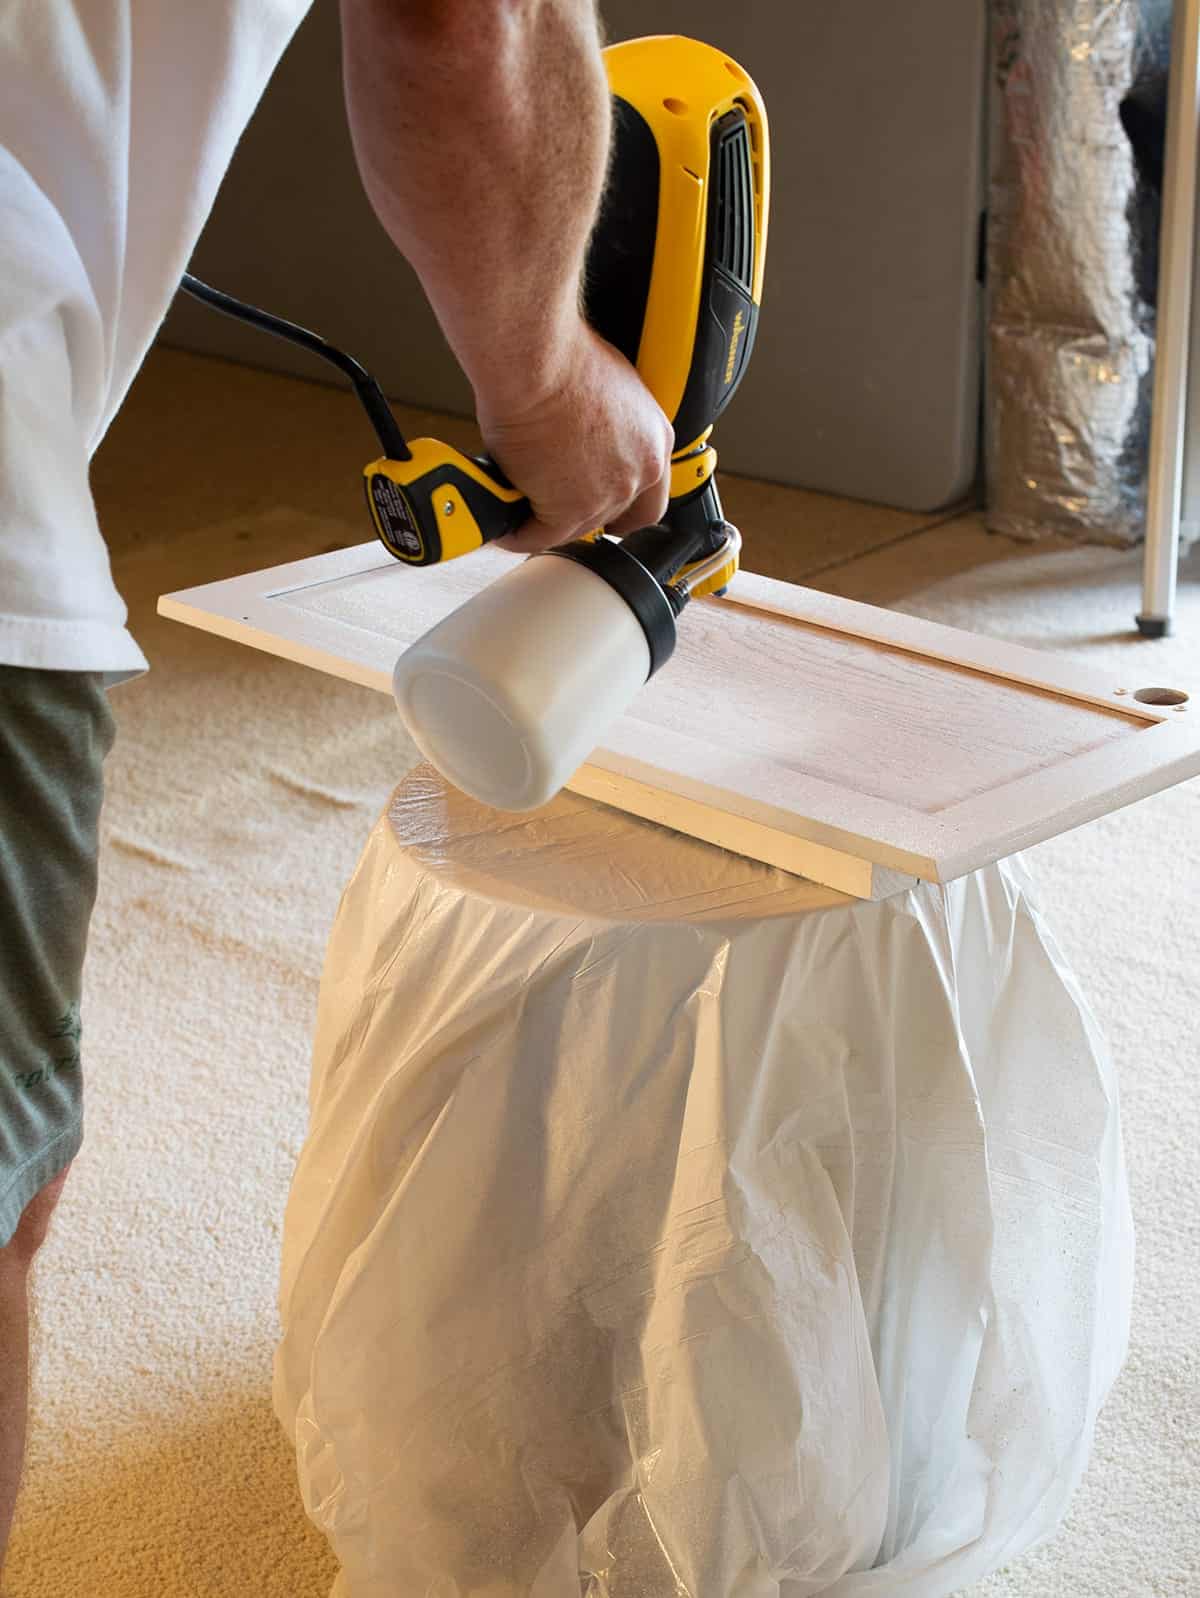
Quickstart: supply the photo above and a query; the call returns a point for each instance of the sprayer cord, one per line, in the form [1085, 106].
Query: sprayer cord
[368, 390]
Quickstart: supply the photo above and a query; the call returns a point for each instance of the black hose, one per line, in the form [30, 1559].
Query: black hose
[365, 386]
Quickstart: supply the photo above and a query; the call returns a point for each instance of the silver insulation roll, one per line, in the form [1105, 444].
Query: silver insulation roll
[1071, 266]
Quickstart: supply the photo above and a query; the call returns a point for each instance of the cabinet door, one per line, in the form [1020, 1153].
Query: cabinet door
[851, 745]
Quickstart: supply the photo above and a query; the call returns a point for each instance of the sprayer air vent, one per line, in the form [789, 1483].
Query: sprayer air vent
[735, 201]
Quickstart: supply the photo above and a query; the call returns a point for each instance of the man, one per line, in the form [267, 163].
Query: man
[481, 131]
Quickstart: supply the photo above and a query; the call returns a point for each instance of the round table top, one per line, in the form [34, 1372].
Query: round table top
[575, 856]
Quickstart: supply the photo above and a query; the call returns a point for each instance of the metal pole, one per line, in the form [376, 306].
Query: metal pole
[1177, 261]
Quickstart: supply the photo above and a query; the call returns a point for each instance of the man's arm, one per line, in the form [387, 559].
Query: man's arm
[481, 129]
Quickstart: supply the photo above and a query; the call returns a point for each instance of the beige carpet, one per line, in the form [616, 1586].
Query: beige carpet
[240, 793]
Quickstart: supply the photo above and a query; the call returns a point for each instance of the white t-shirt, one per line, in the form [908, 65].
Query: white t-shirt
[118, 119]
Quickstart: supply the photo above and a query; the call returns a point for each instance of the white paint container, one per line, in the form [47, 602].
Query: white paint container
[511, 692]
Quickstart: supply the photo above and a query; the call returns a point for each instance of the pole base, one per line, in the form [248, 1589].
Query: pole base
[1154, 626]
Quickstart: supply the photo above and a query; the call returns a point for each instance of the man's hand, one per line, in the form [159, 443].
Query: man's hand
[593, 452]
[481, 129]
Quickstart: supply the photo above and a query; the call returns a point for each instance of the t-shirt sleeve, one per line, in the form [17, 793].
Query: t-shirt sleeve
[56, 595]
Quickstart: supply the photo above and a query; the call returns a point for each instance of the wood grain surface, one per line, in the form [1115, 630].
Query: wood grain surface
[854, 745]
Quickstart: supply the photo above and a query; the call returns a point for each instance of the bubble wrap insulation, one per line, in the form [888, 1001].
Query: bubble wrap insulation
[1071, 267]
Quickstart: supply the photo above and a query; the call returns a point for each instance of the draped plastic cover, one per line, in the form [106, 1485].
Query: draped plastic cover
[669, 1226]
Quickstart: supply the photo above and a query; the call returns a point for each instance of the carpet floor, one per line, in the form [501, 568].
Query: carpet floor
[239, 795]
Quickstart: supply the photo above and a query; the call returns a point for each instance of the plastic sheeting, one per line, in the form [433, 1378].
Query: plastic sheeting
[670, 1226]
[1071, 253]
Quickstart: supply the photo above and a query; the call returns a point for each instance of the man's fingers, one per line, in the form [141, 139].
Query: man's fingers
[535, 536]
[595, 452]
[648, 507]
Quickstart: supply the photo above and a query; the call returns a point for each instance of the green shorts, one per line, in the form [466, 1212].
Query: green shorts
[55, 730]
